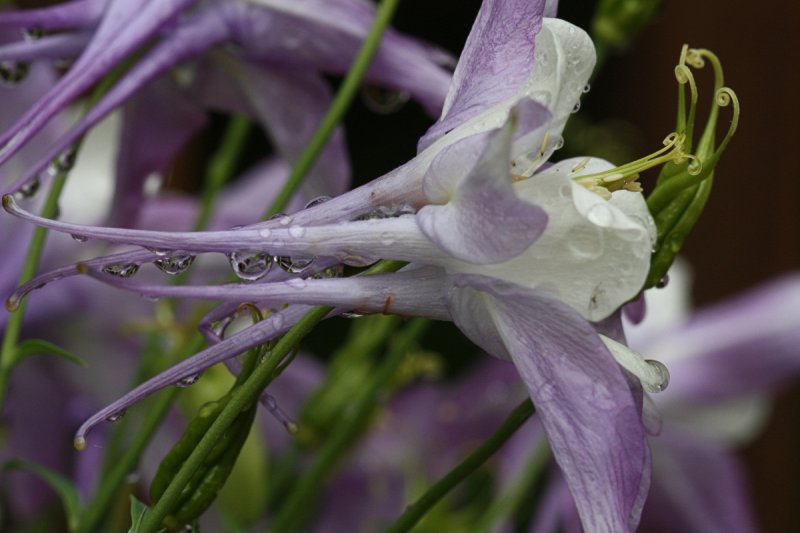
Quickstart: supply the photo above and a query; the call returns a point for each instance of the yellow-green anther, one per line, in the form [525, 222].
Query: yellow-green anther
[681, 192]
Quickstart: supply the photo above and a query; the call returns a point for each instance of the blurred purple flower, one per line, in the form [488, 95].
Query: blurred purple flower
[520, 260]
[263, 58]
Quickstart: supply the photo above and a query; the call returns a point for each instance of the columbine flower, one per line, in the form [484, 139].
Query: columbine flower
[522, 261]
[263, 58]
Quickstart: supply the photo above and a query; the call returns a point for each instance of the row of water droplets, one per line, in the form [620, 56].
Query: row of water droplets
[15, 72]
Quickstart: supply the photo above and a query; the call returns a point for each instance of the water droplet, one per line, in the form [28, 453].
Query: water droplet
[383, 100]
[675, 243]
[64, 162]
[218, 327]
[13, 72]
[600, 215]
[160, 252]
[297, 231]
[318, 200]
[351, 315]
[387, 238]
[565, 191]
[121, 270]
[559, 143]
[293, 265]
[33, 34]
[79, 238]
[587, 88]
[285, 220]
[662, 373]
[358, 261]
[31, 188]
[116, 416]
[277, 320]
[336, 271]
[174, 264]
[577, 107]
[187, 381]
[250, 265]
[586, 249]
[297, 283]
[663, 282]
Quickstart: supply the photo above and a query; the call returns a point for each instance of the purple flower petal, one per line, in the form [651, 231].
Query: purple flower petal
[414, 292]
[76, 14]
[124, 27]
[326, 36]
[158, 122]
[62, 46]
[496, 61]
[259, 333]
[596, 435]
[698, 487]
[485, 221]
[290, 104]
[747, 345]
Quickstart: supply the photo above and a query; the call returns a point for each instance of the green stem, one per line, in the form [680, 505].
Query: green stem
[417, 510]
[294, 510]
[507, 504]
[115, 477]
[241, 398]
[338, 108]
[221, 167]
[8, 355]
[8, 351]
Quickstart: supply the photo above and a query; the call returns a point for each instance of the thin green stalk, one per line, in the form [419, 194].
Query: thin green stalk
[294, 510]
[221, 167]
[8, 355]
[512, 499]
[417, 510]
[338, 107]
[8, 351]
[241, 399]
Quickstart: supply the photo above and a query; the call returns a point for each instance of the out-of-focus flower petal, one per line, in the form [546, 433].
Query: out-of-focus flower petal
[698, 487]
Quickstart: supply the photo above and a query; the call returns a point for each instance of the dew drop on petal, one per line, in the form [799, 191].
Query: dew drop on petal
[187, 381]
[387, 238]
[297, 231]
[294, 265]
[116, 416]
[587, 88]
[13, 72]
[600, 215]
[121, 270]
[31, 188]
[250, 265]
[351, 315]
[662, 374]
[663, 282]
[318, 200]
[174, 264]
[383, 100]
[577, 107]
[79, 238]
[285, 220]
[297, 283]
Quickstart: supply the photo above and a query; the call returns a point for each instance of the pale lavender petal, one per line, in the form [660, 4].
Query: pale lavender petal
[76, 14]
[135, 257]
[124, 27]
[698, 487]
[636, 310]
[326, 37]
[271, 327]
[158, 122]
[416, 292]
[747, 345]
[364, 241]
[485, 222]
[189, 40]
[582, 397]
[61, 46]
[496, 61]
